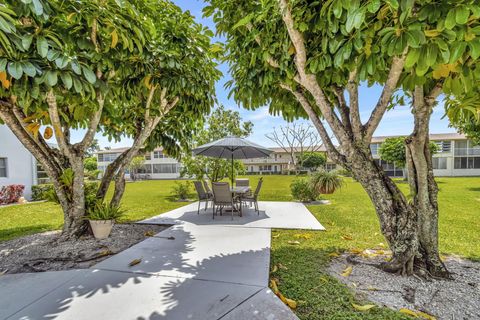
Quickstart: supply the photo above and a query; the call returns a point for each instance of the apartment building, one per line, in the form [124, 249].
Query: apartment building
[278, 162]
[157, 164]
[456, 156]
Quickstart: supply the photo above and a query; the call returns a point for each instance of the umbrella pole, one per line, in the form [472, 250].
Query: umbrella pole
[232, 171]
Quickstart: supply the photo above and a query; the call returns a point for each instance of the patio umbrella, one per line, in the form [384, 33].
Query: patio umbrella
[232, 148]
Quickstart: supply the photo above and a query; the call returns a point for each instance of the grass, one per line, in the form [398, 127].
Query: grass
[350, 216]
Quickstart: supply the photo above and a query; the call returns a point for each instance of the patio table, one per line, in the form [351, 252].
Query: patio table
[239, 191]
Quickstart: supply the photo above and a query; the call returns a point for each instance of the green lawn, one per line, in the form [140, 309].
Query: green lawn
[350, 216]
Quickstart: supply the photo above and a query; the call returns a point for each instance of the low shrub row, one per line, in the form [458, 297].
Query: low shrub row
[46, 192]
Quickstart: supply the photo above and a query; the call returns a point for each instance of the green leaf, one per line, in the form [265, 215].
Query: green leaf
[6, 26]
[355, 20]
[450, 22]
[244, 21]
[67, 79]
[77, 84]
[29, 69]
[458, 49]
[76, 67]
[51, 78]
[412, 57]
[15, 69]
[37, 5]
[42, 47]
[89, 75]
[462, 14]
[373, 6]
[3, 64]
[474, 49]
[61, 62]
[27, 41]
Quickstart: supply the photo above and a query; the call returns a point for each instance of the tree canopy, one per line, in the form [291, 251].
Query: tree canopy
[220, 124]
[393, 150]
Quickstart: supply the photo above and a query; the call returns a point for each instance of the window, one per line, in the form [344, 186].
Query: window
[439, 163]
[158, 155]
[330, 166]
[467, 163]
[374, 148]
[444, 146]
[107, 157]
[165, 168]
[146, 168]
[148, 156]
[3, 167]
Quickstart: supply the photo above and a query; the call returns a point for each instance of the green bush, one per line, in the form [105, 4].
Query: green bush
[47, 192]
[326, 182]
[181, 191]
[302, 190]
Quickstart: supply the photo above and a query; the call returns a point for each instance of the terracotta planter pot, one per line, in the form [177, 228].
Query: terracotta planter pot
[101, 228]
[325, 191]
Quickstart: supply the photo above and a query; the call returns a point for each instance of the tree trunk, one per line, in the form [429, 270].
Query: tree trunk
[424, 190]
[397, 219]
[119, 189]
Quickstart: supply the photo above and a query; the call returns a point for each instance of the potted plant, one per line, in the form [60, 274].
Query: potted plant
[326, 182]
[101, 218]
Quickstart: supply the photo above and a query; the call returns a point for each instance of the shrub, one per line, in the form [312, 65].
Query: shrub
[47, 192]
[326, 182]
[11, 193]
[302, 190]
[102, 211]
[344, 172]
[181, 190]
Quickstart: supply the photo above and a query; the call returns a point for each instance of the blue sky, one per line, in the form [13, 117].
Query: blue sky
[398, 121]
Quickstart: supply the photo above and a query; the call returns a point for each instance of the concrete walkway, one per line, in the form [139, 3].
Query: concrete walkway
[199, 268]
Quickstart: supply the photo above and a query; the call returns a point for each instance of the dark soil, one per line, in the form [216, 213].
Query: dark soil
[44, 252]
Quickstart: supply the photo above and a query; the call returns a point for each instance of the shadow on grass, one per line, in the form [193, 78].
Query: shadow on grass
[11, 233]
[474, 189]
[320, 296]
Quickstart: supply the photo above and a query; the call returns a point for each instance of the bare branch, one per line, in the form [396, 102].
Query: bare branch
[386, 96]
[93, 125]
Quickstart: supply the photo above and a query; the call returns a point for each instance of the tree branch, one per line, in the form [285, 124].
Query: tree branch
[57, 125]
[92, 126]
[387, 93]
[333, 153]
[352, 89]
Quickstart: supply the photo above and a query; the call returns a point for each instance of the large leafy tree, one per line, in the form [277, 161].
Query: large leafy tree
[464, 113]
[220, 124]
[141, 68]
[302, 58]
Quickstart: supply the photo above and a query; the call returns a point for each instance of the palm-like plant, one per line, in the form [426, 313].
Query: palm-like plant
[326, 182]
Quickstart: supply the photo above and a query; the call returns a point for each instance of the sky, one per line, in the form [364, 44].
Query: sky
[398, 121]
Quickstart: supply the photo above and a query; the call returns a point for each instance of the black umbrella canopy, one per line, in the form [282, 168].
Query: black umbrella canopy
[232, 147]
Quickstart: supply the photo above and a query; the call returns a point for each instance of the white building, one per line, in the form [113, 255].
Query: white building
[456, 156]
[17, 165]
[157, 165]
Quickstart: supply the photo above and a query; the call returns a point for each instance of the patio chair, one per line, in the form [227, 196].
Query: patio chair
[202, 195]
[207, 188]
[223, 197]
[254, 198]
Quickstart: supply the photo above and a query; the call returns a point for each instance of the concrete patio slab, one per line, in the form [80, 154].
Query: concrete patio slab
[119, 295]
[20, 290]
[264, 305]
[236, 255]
[280, 215]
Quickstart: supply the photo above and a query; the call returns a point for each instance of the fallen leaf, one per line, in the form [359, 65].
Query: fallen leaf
[105, 253]
[291, 303]
[276, 236]
[294, 242]
[149, 233]
[370, 288]
[48, 133]
[305, 236]
[356, 251]
[382, 245]
[281, 266]
[364, 307]
[324, 279]
[333, 254]
[348, 270]
[274, 269]
[135, 262]
[347, 237]
[273, 286]
[409, 312]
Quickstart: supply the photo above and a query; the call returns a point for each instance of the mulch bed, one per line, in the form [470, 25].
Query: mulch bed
[43, 252]
[444, 299]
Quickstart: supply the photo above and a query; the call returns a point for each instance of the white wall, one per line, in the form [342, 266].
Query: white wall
[20, 163]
